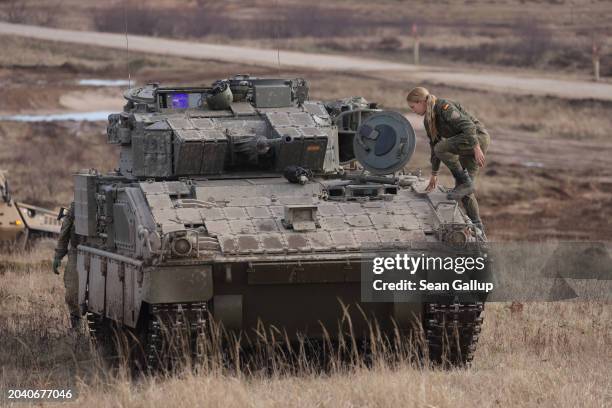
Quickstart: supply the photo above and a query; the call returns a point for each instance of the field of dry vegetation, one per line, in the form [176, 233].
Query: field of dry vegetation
[548, 176]
[547, 354]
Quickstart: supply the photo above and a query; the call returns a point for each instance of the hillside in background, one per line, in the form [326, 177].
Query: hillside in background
[553, 35]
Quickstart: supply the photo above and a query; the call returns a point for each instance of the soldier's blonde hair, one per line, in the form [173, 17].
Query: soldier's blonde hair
[420, 94]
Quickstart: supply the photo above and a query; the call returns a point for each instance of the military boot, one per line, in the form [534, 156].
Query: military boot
[463, 186]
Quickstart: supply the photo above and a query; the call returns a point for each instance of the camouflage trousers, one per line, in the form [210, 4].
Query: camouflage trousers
[457, 158]
[71, 283]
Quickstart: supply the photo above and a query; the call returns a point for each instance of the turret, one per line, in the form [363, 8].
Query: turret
[245, 125]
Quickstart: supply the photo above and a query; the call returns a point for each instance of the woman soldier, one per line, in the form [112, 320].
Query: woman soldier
[457, 139]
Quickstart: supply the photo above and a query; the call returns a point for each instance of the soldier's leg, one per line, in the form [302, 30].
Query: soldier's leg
[471, 207]
[469, 201]
[469, 163]
[448, 151]
[71, 283]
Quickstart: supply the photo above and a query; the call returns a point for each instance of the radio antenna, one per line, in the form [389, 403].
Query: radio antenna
[127, 43]
[276, 34]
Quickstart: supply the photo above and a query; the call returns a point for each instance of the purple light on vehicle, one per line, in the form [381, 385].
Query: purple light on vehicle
[179, 101]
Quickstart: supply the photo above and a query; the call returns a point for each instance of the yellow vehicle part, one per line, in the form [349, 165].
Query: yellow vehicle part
[39, 219]
[17, 219]
[11, 224]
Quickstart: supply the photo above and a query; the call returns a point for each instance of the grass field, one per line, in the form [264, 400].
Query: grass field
[547, 354]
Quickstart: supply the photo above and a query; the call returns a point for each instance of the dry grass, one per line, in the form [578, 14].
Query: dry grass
[549, 354]
[59, 150]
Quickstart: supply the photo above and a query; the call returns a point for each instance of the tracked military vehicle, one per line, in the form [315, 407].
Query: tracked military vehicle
[237, 201]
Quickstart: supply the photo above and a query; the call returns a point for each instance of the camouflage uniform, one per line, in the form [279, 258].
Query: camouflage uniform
[71, 278]
[458, 134]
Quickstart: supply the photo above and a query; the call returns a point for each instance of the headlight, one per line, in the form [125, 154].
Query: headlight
[181, 246]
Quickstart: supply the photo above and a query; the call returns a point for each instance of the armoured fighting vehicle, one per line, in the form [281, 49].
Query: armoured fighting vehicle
[237, 201]
[21, 223]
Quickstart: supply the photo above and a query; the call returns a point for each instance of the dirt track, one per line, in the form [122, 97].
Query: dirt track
[571, 89]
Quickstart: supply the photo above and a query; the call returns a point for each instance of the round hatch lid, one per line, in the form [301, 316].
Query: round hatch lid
[145, 94]
[384, 142]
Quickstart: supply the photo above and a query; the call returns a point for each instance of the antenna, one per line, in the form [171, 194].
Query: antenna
[127, 43]
[276, 34]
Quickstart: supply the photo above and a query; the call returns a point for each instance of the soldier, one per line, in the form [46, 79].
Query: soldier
[4, 192]
[71, 279]
[457, 139]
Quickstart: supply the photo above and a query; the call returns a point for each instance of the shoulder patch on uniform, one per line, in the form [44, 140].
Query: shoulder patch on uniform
[445, 106]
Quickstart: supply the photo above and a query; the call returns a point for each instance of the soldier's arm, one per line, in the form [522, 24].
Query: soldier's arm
[435, 161]
[464, 127]
[61, 249]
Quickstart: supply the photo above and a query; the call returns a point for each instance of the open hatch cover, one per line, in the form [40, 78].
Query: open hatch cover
[384, 142]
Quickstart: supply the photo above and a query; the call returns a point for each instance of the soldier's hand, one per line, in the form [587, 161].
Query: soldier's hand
[56, 264]
[479, 156]
[433, 183]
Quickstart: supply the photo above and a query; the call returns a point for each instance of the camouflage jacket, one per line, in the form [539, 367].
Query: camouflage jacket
[67, 234]
[453, 121]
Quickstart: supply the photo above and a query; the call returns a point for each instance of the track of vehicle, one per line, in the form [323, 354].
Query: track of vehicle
[452, 331]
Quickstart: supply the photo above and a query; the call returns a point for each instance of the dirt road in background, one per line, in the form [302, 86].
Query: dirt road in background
[528, 85]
